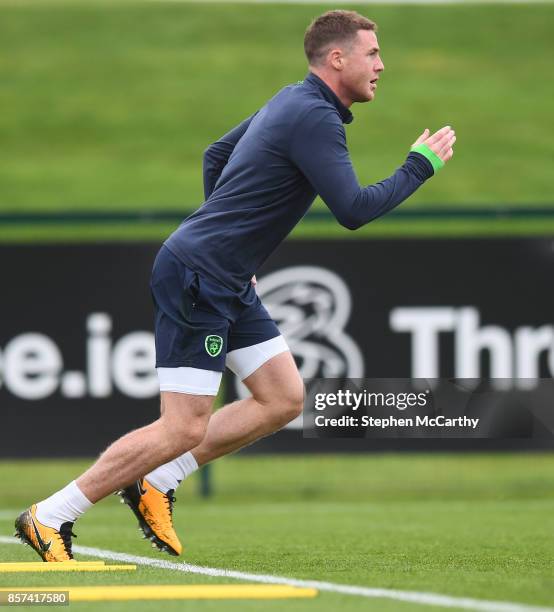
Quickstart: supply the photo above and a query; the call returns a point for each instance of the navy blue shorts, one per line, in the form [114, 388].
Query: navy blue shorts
[198, 321]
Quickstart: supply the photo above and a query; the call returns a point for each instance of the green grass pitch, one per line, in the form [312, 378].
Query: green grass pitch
[478, 526]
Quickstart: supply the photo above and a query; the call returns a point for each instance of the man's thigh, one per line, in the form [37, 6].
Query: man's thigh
[254, 339]
[185, 408]
[276, 381]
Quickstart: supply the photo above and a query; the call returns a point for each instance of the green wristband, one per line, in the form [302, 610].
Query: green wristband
[435, 160]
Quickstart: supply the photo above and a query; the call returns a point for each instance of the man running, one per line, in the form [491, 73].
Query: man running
[259, 180]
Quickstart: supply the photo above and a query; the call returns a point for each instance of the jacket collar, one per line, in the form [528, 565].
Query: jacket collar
[330, 96]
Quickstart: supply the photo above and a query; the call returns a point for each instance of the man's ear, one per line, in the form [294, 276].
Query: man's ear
[336, 59]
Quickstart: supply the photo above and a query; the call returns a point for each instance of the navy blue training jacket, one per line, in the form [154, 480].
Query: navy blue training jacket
[262, 176]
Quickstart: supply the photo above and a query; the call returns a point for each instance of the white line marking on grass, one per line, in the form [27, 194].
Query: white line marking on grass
[430, 599]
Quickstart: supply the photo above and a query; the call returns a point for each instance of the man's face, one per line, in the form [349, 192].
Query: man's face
[362, 66]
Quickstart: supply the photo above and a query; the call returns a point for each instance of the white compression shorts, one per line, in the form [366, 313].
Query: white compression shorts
[243, 362]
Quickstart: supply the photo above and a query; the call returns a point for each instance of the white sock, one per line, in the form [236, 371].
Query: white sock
[65, 505]
[170, 475]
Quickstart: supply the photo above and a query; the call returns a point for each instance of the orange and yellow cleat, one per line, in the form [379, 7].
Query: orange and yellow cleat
[154, 511]
[49, 543]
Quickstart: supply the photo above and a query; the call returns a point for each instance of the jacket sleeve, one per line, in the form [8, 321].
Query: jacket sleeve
[318, 149]
[217, 155]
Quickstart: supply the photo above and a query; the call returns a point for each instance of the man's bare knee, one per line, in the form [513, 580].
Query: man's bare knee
[278, 386]
[184, 420]
[190, 435]
[285, 404]
[293, 402]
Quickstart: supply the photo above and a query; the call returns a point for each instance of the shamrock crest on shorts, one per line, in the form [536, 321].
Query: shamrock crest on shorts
[213, 345]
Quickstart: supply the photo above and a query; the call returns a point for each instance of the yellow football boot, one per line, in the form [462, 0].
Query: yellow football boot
[49, 543]
[154, 511]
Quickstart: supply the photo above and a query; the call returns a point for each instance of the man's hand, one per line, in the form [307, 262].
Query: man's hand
[254, 281]
[440, 142]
